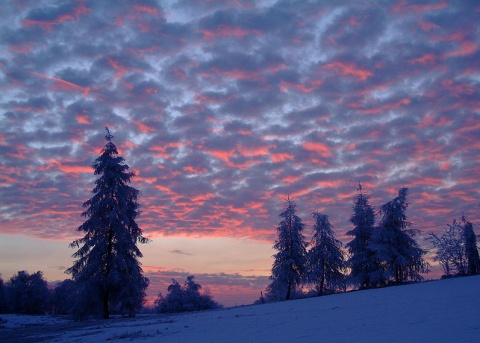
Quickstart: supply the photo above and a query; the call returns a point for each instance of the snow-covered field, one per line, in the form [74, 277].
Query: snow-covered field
[437, 311]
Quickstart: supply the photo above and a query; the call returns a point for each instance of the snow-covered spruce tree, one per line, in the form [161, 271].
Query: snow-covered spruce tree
[325, 260]
[289, 262]
[471, 250]
[398, 255]
[107, 270]
[360, 262]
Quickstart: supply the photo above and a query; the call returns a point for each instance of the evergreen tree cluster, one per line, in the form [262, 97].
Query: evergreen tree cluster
[321, 266]
[379, 254]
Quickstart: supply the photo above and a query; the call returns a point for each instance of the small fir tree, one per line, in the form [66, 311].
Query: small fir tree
[107, 269]
[361, 262]
[471, 250]
[399, 257]
[289, 262]
[325, 259]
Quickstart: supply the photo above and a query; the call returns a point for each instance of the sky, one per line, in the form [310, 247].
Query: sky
[223, 109]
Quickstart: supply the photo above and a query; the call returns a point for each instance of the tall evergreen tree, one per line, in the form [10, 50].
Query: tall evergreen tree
[471, 250]
[360, 262]
[399, 256]
[107, 269]
[289, 262]
[325, 259]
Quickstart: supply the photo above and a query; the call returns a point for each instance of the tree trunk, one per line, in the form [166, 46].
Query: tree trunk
[322, 282]
[106, 314]
[106, 297]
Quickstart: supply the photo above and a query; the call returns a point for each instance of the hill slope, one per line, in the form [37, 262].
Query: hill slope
[438, 311]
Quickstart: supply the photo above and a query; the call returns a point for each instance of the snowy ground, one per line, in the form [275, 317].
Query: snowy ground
[438, 311]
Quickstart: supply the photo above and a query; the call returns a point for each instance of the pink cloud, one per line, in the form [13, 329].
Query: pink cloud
[80, 10]
[349, 69]
[427, 25]
[83, 119]
[426, 59]
[466, 48]
[405, 6]
[225, 31]
[61, 84]
[321, 149]
[285, 86]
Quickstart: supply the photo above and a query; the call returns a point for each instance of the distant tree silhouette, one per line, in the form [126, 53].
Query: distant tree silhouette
[471, 250]
[64, 297]
[289, 262]
[185, 298]
[27, 293]
[3, 304]
[106, 269]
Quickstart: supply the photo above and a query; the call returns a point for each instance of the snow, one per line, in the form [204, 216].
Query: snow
[15, 321]
[436, 311]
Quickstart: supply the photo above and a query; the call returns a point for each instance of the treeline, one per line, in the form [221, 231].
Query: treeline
[379, 254]
[30, 294]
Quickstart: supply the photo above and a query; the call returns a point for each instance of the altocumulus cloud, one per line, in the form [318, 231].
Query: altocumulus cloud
[225, 108]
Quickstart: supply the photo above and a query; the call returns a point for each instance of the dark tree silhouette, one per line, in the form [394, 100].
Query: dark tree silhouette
[325, 259]
[27, 293]
[289, 262]
[360, 262]
[186, 298]
[471, 250]
[399, 257]
[107, 269]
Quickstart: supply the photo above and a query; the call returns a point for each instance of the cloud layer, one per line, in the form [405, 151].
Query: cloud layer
[224, 108]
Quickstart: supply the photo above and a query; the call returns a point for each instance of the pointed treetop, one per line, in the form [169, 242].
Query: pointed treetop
[108, 135]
